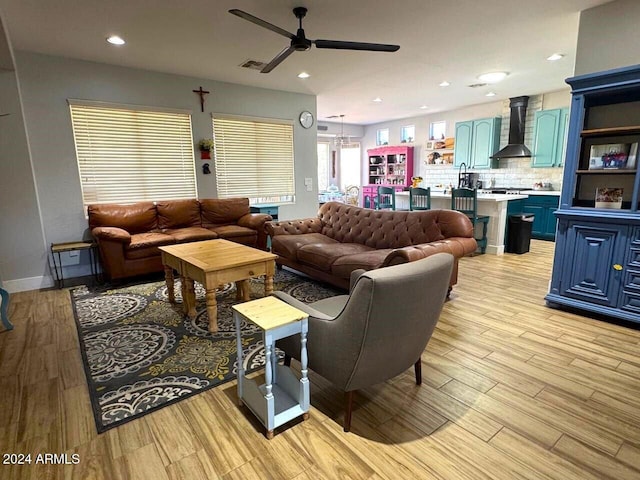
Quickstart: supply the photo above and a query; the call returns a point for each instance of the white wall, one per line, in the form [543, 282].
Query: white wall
[422, 122]
[608, 37]
[22, 246]
[47, 82]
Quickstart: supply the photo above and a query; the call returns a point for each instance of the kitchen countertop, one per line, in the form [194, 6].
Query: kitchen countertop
[482, 197]
[544, 192]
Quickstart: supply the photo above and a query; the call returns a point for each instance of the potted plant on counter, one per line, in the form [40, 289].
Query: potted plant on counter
[205, 145]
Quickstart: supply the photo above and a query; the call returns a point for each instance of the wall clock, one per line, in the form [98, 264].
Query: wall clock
[306, 119]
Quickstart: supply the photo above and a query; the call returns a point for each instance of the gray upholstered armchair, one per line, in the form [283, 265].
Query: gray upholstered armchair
[377, 331]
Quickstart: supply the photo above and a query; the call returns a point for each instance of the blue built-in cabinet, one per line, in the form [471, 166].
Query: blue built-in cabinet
[596, 266]
[592, 249]
[550, 137]
[476, 141]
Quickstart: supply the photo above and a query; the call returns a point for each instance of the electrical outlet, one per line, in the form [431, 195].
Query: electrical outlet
[308, 181]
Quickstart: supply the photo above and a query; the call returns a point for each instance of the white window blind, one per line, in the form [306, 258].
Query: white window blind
[126, 155]
[254, 158]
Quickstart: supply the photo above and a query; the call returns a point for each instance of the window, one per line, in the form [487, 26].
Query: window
[382, 136]
[350, 162]
[323, 166]
[254, 159]
[408, 134]
[437, 130]
[128, 155]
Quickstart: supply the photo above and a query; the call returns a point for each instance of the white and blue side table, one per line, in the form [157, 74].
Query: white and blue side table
[283, 396]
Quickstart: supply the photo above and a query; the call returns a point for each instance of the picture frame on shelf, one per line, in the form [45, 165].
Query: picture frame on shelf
[609, 197]
[613, 156]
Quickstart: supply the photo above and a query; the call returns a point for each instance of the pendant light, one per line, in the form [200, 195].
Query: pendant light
[342, 139]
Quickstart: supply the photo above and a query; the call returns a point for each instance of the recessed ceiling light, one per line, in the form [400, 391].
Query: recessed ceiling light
[377, 99]
[444, 84]
[422, 107]
[490, 94]
[554, 57]
[303, 75]
[115, 40]
[492, 77]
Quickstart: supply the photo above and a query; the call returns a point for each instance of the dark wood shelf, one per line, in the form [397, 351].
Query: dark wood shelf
[603, 132]
[608, 171]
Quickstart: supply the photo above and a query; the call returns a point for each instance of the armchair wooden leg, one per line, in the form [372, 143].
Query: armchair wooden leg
[418, 369]
[287, 360]
[348, 405]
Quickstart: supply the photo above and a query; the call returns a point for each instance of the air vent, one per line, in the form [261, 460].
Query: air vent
[253, 64]
[322, 128]
[477, 85]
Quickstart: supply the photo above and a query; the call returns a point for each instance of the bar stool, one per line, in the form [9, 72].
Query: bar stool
[386, 198]
[465, 200]
[419, 198]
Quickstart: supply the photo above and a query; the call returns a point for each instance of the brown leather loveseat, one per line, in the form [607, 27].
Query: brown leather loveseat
[344, 238]
[128, 236]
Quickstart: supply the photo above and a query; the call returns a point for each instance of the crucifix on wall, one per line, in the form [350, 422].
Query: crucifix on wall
[202, 93]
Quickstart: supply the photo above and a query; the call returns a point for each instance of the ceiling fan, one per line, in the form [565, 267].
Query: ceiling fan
[299, 42]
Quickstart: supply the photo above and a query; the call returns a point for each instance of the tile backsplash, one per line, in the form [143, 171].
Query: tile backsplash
[516, 172]
[513, 172]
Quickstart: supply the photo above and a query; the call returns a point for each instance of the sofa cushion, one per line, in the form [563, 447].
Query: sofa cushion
[146, 244]
[178, 213]
[137, 218]
[321, 256]
[190, 234]
[222, 211]
[370, 260]
[287, 246]
[233, 231]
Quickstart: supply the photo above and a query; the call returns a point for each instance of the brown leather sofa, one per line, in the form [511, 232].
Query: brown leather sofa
[128, 236]
[344, 238]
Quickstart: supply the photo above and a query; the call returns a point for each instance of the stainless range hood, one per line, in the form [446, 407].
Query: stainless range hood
[516, 147]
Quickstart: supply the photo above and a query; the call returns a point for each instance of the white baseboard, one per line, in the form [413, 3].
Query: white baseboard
[24, 284]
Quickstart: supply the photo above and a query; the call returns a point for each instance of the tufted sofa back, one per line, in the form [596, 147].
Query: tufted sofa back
[390, 229]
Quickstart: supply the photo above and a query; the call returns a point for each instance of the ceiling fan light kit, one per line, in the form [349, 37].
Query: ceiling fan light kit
[300, 43]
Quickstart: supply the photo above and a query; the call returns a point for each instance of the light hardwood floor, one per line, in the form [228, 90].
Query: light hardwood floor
[512, 389]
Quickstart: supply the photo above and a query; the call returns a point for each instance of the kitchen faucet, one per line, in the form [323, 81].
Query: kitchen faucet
[460, 174]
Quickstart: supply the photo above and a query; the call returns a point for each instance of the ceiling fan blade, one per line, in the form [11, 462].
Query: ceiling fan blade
[278, 59]
[374, 47]
[262, 23]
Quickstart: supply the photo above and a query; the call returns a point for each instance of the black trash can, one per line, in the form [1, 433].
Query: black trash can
[519, 239]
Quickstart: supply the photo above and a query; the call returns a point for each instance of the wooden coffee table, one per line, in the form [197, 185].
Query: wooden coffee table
[213, 263]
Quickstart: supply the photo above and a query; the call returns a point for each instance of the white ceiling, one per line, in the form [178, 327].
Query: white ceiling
[453, 40]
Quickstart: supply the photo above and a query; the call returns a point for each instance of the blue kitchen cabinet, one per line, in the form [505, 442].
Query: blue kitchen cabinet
[591, 253]
[462, 146]
[485, 142]
[476, 141]
[544, 223]
[549, 137]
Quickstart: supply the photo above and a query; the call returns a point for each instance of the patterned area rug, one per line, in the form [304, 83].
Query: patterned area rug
[140, 353]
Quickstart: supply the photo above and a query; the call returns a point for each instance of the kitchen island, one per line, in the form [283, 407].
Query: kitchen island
[491, 204]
